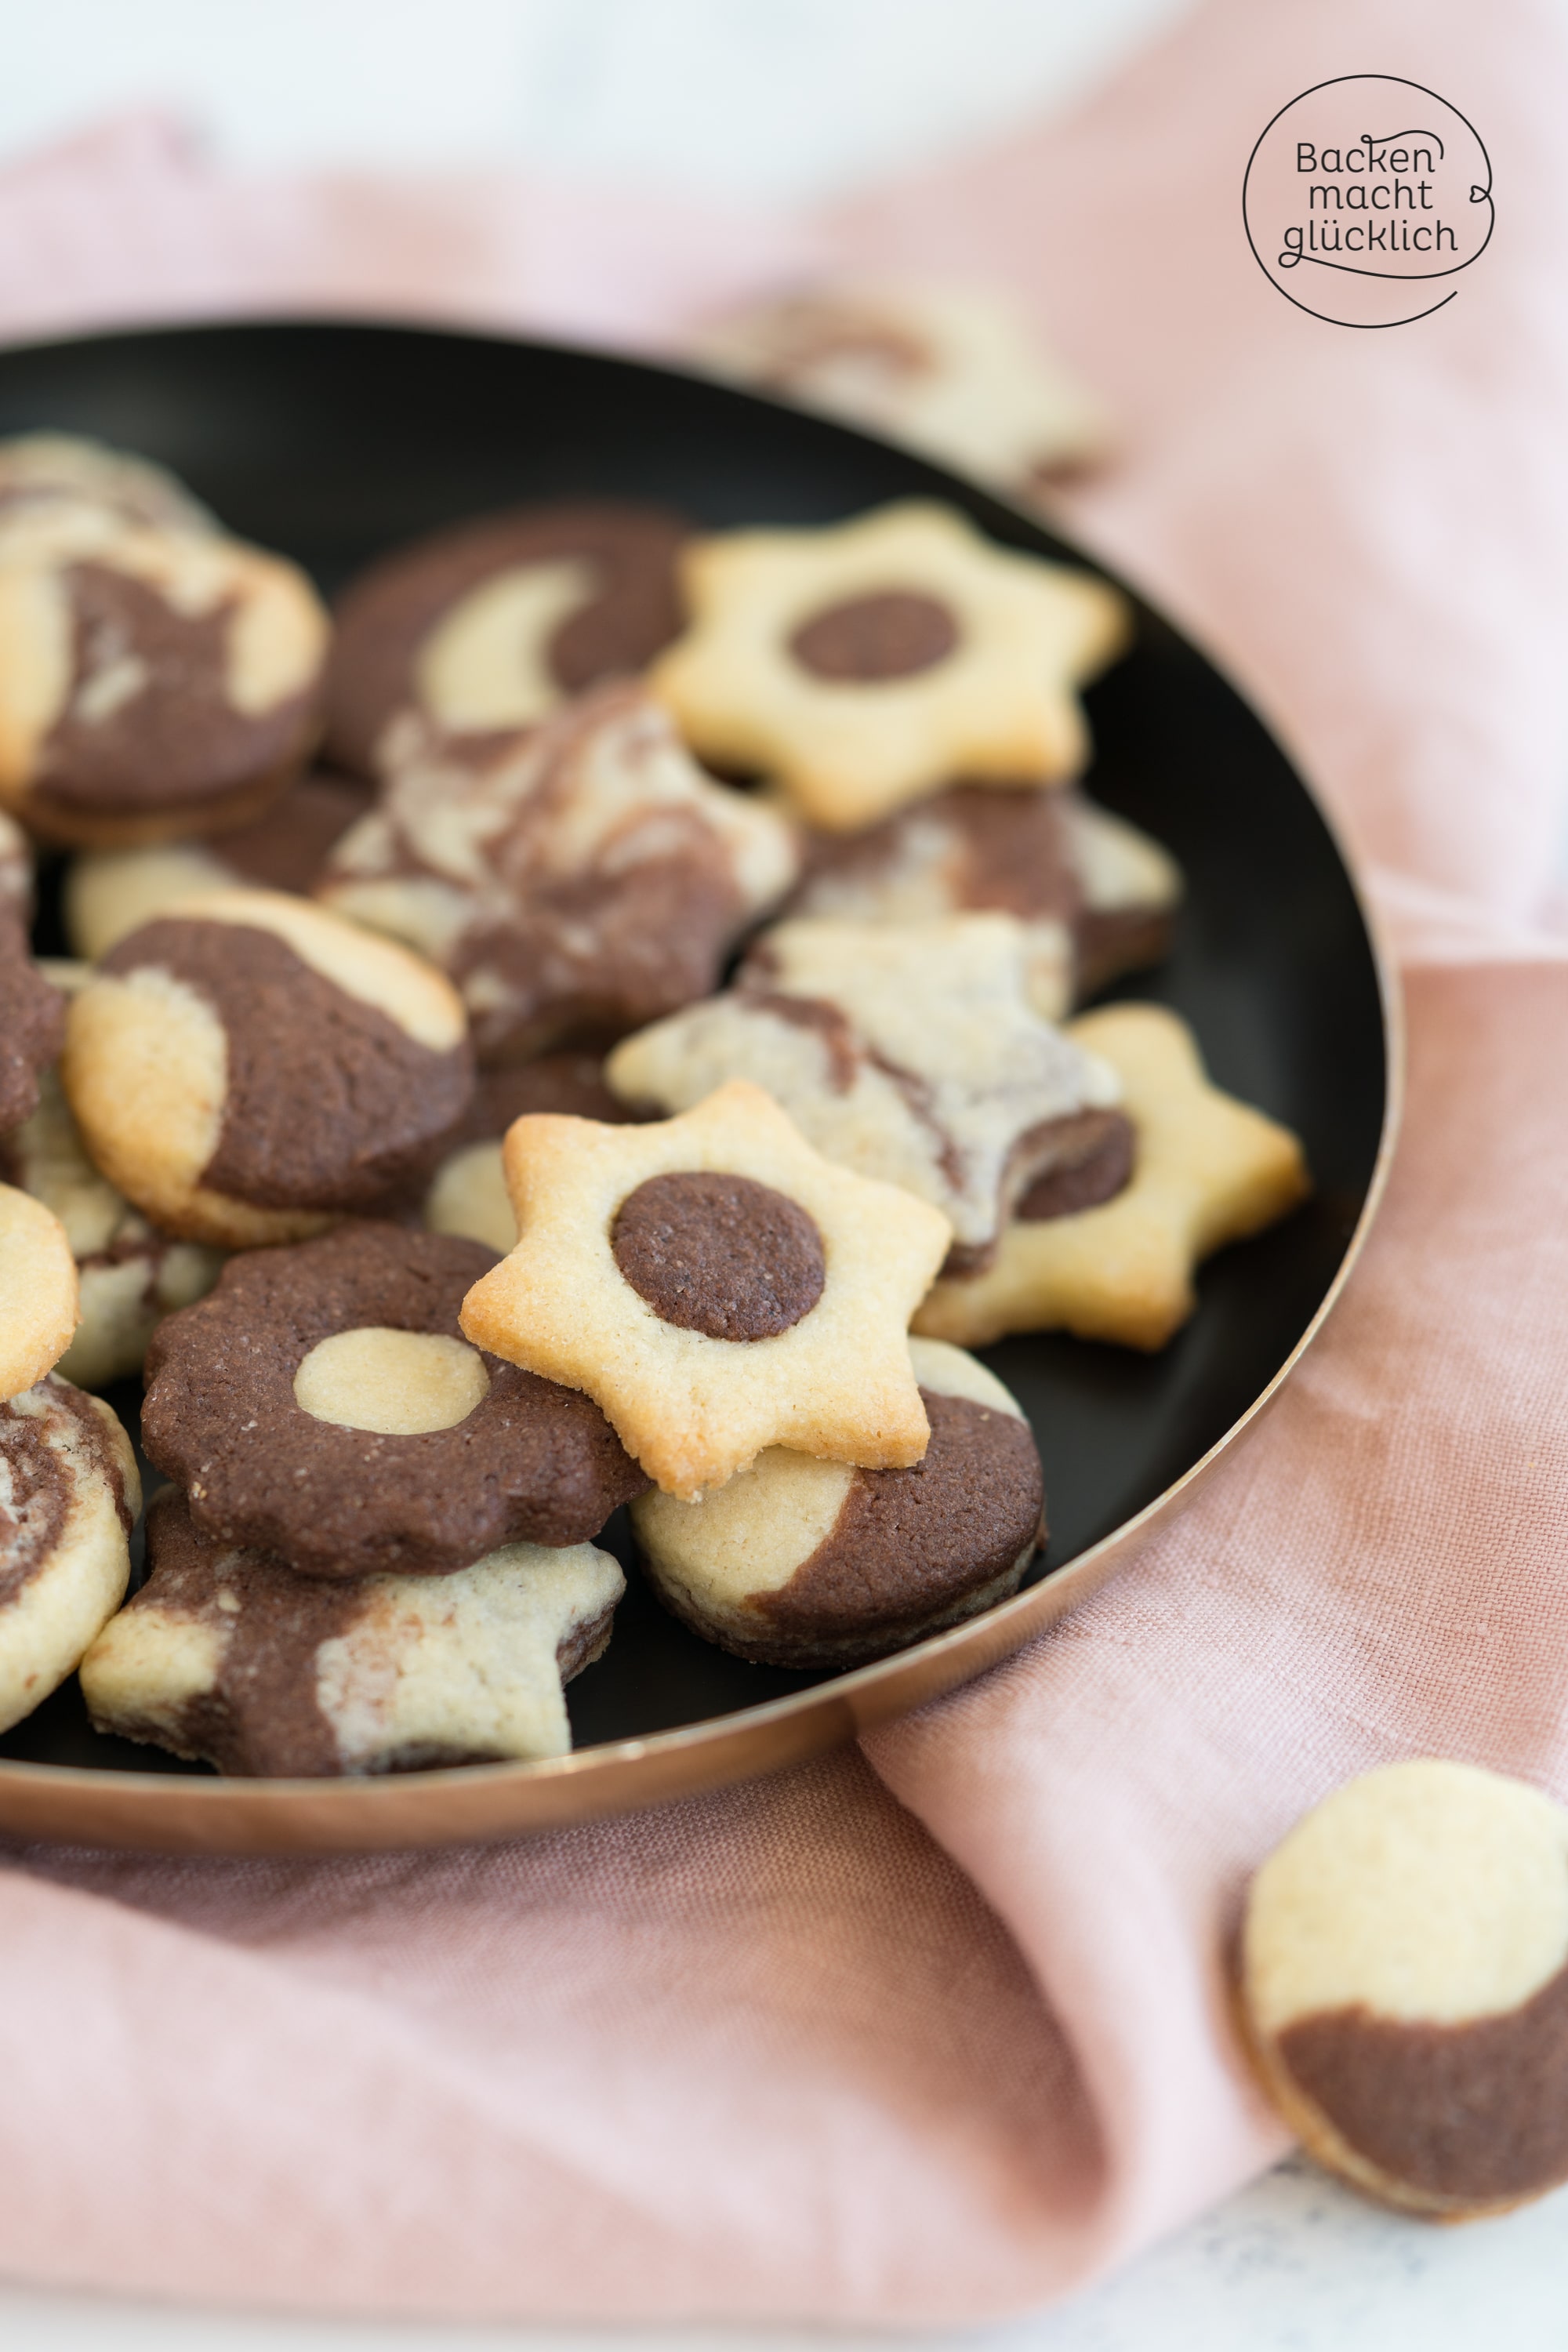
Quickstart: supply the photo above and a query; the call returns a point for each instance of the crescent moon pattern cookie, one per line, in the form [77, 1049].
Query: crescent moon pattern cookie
[716, 1286]
[802, 1562]
[869, 664]
[490, 626]
[1206, 1170]
[226, 1655]
[1097, 897]
[1405, 1984]
[249, 1065]
[69, 1498]
[576, 883]
[467, 1194]
[911, 1052]
[322, 1404]
[151, 683]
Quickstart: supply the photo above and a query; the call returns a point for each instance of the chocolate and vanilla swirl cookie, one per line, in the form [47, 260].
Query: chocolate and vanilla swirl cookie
[69, 1498]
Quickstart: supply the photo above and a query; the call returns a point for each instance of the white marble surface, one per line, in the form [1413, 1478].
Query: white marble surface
[767, 99]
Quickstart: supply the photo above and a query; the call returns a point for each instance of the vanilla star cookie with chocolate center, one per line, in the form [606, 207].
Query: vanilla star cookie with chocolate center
[38, 1298]
[490, 625]
[130, 1275]
[226, 1655]
[909, 1050]
[68, 1499]
[1404, 1986]
[250, 1066]
[871, 663]
[801, 1562]
[574, 882]
[1205, 1170]
[324, 1405]
[1097, 897]
[110, 892]
[153, 683]
[716, 1286]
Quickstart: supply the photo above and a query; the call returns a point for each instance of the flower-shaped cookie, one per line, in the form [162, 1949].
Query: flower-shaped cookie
[324, 1405]
[227, 1654]
[1207, 1170]
[716, 1288]
[38, 1297]
[870, 663]
[909, 1050]
[573, 881]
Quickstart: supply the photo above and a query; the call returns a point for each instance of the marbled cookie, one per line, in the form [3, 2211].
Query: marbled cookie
[909, 1050]
[1405, 1985]
[250, 1066]
[486, 627]
[68, 1499]
[32, 1023]
[153, 683]
[802, 1562]
[467, 1194]
[110, 892]
[38, 1308]
[953, 371]
[869, 664]
[716, 1286]
[574, 882]
[129, 1275]
[56, 469]
[1097, 897]
[228, 1656]
[1115, 1259]
[324, 1405]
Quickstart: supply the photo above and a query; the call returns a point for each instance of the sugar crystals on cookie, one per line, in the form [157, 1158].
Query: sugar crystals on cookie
[869, 664]
[716, 1285]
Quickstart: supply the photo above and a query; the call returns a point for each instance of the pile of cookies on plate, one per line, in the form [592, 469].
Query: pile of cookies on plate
[630, 1066]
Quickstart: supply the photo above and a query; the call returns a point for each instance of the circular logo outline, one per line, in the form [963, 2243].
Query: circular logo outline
[1411, 276]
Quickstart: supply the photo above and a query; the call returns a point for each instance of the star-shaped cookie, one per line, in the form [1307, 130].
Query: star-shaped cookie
[1208, 1169]
[716, 1286]
[867, 665]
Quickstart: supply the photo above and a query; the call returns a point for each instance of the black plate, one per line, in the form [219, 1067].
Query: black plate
[335, 442]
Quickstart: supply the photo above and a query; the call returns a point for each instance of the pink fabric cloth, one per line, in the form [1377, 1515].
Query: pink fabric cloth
[938, 2030]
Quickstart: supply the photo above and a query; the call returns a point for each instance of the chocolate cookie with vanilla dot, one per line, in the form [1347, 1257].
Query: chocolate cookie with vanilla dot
[251, 1066]
[573, 882]
[1404, 1986]
[228, 1656]
[804, 1562]
[1107, 1243]
[68, 1499]
[324, 1405]
[489, 626]
[871, 663]
[911, 1052]
[716, 1285]
[153, 683]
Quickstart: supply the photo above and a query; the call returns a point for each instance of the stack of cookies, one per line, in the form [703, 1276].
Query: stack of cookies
[625, 1069]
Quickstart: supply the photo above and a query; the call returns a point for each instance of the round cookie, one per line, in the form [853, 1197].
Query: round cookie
[489, 625]
[1404, 1986]
[130, 1275]
[16, 871]
[39, 1306]
[322, 1404]
[802, 1562]
[153, 683]
[53, 470]
[573, 881]
[110, 892]
[250, 1066]
[68, 1499]
[32, 1024]
[467, 1194]
[226, 1655]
